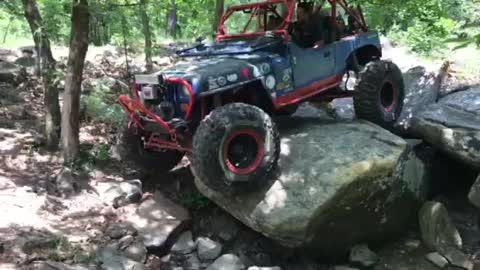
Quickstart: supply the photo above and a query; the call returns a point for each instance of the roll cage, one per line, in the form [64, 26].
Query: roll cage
[261, 10]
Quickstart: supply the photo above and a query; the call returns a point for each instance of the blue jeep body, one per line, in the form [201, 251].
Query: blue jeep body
[298, 73]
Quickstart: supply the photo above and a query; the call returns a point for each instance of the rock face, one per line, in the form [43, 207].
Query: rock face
[474, 194]
[227, 262]
[453, 125]
[155, 219]
[438, 231]
[339, 184]
[421, 89]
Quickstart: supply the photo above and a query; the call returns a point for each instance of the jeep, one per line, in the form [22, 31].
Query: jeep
[218, 104]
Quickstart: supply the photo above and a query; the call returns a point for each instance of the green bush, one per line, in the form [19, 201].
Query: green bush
[100, 104]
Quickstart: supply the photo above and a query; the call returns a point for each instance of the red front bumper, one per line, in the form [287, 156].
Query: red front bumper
[134, 107]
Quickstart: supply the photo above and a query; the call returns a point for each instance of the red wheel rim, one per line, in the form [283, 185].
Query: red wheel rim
[248, 159]
[388, 96]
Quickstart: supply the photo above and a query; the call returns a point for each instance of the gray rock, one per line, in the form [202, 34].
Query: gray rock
[421, 89]
[193, 263]
[453, 125]
[119, 230]
[437, 259]
[438, 231]
[343, 267]
[227, 262]
[136, 251]
[474, 194]
[361, 255]
[9, 72]
[264, 268]
[82, 257]
[184, 244]
[155, 219]
[48, 265]
[112, 192]
[225, 226]
[126, 241]
[457, 258]
[153, 262]
[364, 187]
[25, 61]
[208, 249]
[112, 259]
[65, 182]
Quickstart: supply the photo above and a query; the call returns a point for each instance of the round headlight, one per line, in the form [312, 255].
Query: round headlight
[270, 82]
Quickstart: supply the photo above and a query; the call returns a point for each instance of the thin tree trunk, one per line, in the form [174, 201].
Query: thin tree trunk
[219, 9]
[47, 71]
[172, 20]
[73, 81]
[7, 29]
[147, 34]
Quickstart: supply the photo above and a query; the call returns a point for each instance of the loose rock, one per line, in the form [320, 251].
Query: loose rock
[363, 256]
[48, 265]
[155, 219]
[474, 194]
[453, 125]
[342, 267]
[193, 263]
[437, 259]
[126, 241]
[458, 258]
[136, 251]
[119, 230]
[184, 244]
[227, 262]
[208, 249]
[120, 193]
[264, 268]
[65, 182]
[438, 231]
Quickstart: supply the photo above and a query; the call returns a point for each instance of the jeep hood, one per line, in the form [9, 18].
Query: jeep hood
[212, 73]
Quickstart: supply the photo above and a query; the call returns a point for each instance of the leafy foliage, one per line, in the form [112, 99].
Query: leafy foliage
[423, 25]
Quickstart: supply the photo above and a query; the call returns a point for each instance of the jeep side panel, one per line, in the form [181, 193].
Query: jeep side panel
[348, 45]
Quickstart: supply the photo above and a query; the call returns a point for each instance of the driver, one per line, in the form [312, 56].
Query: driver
[308, 29]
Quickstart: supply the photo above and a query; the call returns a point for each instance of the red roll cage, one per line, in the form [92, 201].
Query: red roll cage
[282, 28]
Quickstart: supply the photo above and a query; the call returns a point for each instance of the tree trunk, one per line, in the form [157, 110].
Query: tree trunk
[147, 34]
[172, 20]
[73, 81]
[7, 29]
[47, 69]
[219, 8]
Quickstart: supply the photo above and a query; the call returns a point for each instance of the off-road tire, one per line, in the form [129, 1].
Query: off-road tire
[130, 149]
[379, 93]
[214, 137]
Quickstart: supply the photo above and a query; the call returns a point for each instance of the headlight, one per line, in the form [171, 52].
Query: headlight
[270, 82]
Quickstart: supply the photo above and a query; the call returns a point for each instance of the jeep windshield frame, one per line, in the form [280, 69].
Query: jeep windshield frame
[255, 8]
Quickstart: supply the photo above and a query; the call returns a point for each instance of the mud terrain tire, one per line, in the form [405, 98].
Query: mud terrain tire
[235, 149]
[379, 93]
[130, 148]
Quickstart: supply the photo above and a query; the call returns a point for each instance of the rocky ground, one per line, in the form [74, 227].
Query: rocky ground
[103, 214]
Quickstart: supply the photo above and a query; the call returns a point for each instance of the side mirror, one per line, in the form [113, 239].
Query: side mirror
[199, 39]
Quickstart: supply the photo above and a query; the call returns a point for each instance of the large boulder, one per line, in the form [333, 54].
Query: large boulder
[10, 73]
[453, 125]
[339, 184]
[421, 89]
